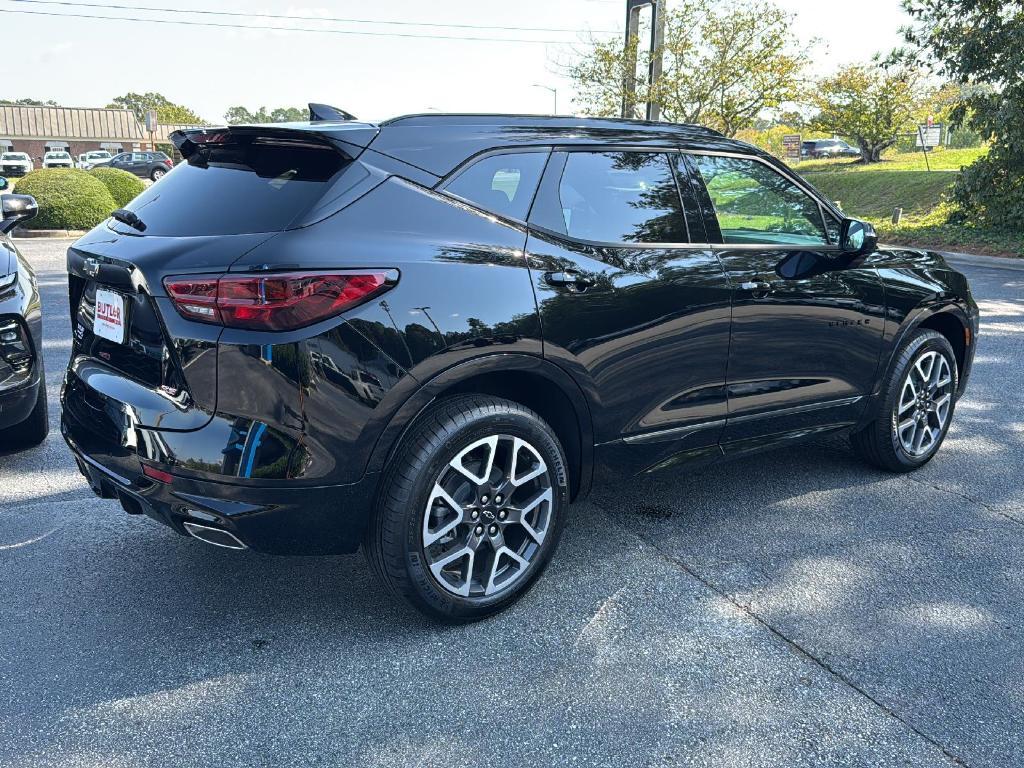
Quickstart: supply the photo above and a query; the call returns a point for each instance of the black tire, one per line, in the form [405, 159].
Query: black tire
[33, 430]
[156, 174]
[395, 539]
[879, 443]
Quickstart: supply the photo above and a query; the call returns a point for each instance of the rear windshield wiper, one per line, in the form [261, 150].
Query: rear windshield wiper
[127, 217]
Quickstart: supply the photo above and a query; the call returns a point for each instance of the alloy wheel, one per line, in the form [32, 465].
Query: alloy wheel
[926, 397]
[487, 516]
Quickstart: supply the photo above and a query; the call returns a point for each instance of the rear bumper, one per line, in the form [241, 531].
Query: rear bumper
[278, 519]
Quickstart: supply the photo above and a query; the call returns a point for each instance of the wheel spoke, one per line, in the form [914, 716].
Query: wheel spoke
[907, 402]
[539, 467]
[459, 466]
[538, 529]
[918, 438]
[430, 536]
[438, 567]
[492, 586]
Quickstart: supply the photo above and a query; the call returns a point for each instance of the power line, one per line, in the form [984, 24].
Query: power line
[182, 22]
[191, 11]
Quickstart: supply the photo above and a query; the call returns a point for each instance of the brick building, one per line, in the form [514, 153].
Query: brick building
[37, 130]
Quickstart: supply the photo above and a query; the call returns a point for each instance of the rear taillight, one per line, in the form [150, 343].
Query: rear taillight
[275, 302]
[168, 163]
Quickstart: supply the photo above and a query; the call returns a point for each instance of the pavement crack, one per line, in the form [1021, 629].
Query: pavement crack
[967, 497]
[799, 649]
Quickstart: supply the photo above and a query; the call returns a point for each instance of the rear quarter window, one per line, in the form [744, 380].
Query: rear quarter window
[503, 184]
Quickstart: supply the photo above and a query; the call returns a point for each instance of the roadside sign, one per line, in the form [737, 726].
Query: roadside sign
[151, 121]
[929, 135]
[791, 145]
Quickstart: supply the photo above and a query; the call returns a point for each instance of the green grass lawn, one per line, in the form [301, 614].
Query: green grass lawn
[940, 160]
[872, 191]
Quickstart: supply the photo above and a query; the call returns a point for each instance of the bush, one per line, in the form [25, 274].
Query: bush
[989, 194]
[123, 186]
[68, 199]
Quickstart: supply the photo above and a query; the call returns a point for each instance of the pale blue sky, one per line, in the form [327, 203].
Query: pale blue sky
[86, 62]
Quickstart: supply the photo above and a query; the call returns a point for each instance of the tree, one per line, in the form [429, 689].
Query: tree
[723, 65]
[31, 102]
[979, 44]
[870, 104]
[242, 116]
[167, 112]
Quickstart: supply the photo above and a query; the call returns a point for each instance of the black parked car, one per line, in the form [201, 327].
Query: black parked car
[146, 165]
[23, 415]
[824, 148]
[428, 336]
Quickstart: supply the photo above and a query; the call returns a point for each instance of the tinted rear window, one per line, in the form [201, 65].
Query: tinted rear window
[237, 189]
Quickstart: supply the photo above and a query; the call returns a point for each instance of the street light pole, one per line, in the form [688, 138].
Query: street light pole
[554, 92]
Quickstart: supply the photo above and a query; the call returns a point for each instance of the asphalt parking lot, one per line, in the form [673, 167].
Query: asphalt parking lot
[789, 609]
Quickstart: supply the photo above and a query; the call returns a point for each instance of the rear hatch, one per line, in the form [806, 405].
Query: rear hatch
[236, 189]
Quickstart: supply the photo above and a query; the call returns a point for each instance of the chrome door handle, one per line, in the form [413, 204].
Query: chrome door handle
[757, 286]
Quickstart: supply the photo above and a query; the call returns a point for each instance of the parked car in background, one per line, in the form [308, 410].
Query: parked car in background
[145, 165]
[88, 160]
[57, 160]
[23, 415]
[823, 148]
[15, 164]
[424, 337]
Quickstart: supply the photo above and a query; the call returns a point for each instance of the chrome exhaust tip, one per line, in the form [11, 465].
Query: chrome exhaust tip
[218, 537]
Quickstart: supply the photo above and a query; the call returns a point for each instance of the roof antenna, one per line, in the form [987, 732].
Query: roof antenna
[319, 112]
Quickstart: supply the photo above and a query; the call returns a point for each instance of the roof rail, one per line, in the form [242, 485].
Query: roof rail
[327, 112]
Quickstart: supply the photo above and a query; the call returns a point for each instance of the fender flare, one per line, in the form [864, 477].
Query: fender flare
[910, 323]
[429, 390]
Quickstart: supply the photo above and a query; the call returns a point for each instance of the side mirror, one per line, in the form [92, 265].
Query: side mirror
[16, 209]
[857, 237]
[4, 184]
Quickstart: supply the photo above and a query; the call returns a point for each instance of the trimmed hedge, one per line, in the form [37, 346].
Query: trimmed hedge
[123, 186]
[68, 199]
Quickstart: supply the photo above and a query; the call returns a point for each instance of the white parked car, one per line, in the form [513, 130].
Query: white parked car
[15, 164]
[58, 160]
[89, 160]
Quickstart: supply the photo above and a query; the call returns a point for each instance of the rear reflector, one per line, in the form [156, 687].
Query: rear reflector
[157, 474]
[275, 302]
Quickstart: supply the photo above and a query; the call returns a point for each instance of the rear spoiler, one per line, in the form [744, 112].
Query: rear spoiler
[349, 137]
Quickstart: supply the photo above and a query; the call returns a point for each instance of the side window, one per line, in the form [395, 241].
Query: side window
[503, 184]
[617, 197]
[755, 204]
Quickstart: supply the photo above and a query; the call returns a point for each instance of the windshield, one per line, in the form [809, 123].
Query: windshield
[58, 156]
[239, 188]
[14, 156]
[97, 155]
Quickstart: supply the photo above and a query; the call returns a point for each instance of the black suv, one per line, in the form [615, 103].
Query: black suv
[23, 414]
[427, 336]
[823, 148]
[145, 165]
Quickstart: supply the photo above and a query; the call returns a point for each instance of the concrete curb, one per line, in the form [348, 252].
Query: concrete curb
[993, 262]
[54, 233]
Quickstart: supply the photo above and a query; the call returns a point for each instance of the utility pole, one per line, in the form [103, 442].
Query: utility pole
[633, 8]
